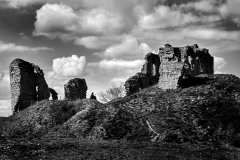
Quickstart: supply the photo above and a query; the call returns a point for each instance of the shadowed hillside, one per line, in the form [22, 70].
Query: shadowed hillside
[205, 110]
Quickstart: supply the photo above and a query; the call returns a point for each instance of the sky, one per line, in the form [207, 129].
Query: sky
[105, 41]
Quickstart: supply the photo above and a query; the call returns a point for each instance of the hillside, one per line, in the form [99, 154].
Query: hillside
[204, 110]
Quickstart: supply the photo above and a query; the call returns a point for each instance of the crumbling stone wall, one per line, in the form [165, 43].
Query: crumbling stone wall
[148, 76]
[24, 78]
[170, 66]
[75, 89]
[151, 68]
[178, 63]
[54, 94]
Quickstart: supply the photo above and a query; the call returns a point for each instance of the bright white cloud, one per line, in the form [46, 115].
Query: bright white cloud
[70, 66]
[60, 20]
[129, 48]
[219, 63]
[11, 47]
[117, 64]
[5, 86]
[5, 108]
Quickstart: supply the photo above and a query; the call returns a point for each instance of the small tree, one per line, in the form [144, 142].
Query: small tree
[114, 92]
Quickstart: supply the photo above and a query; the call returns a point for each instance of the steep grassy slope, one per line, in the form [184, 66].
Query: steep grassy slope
[206, 109]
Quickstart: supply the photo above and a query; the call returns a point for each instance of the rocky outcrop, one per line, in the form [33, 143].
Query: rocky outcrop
[148, 76]
[178, 63]
[75, 89]
[24, 78]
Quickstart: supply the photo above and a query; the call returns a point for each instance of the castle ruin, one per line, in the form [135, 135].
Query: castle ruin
[28, 84]
[170, 66]
[75, 89]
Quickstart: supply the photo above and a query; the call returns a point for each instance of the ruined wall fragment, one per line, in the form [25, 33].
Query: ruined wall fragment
[27, 83]
[148, 76]
[23, 86]
[178, 63]
[75, 89]
[54, 94]
[151, 68]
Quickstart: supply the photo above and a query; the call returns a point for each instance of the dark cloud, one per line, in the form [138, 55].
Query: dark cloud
[18, 20]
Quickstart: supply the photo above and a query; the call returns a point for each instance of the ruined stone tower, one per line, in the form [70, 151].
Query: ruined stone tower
[170, 66]
[27, 84]
[178, 63]
[75, 89]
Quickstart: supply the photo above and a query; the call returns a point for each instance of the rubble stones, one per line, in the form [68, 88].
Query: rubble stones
[24, 78]
[75, 89]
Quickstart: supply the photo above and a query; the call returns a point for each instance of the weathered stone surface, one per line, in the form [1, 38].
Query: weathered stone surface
[148, 76]
[75, 89]
[24, 78]
[23, 86]
[178, 63]
[170, 66]
[151, 68]
[54, 94]
[43, 91]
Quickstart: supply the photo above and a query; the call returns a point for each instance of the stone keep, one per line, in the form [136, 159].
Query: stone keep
[27, 84]
[75, 89]
[178, 63]
[170, 66]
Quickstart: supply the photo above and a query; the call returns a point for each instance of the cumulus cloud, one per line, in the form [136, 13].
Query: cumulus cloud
[73, 66]
[60, 20]
[11, 47]
[129, 48]
[219, 63]
[5, 108]
[5, 86]
[118, 64]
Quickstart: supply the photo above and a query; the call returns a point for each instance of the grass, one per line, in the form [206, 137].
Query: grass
[112, 150]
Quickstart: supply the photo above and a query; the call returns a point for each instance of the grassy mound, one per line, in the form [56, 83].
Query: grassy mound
[205, 109]
[37, 120]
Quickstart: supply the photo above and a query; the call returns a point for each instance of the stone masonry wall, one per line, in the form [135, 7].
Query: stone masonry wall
[75, 89]
[178, 63]
[148, 76]
[23, 87]
[170, 66]
[24, 78]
